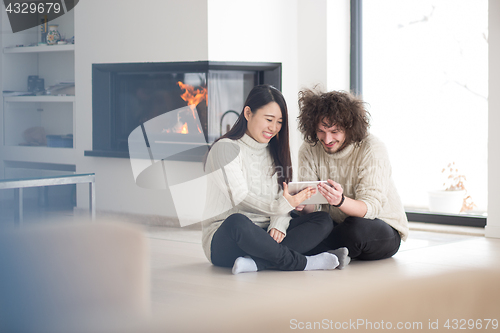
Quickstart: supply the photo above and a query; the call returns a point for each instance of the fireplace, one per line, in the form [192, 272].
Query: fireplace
[174, 105]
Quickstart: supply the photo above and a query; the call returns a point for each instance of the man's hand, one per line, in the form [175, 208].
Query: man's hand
[277, 235]
[332, 192]
[333, 195]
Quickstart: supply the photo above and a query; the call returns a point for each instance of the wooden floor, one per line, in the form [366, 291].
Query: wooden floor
[191, 295]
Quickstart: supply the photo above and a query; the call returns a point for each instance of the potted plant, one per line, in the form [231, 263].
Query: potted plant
[453, 199]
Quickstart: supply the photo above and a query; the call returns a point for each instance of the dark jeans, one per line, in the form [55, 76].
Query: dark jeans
[238, 236]
[365, 239]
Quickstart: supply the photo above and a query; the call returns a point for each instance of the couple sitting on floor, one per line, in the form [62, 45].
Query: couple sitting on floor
[248, 225]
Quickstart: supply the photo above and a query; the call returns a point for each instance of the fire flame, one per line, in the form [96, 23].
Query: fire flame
[184, 129]
[193, 97]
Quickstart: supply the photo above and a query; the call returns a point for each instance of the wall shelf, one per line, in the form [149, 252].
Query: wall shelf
[40, 49]
[40, 154]
[41, 99]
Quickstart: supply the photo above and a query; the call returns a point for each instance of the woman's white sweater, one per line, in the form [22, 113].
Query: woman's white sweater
[242, 179]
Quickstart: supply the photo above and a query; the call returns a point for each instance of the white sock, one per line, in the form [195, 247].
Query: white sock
[342, 255]
[323, 260]
[244, 265]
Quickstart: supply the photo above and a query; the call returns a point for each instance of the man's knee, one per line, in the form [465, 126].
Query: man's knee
[376, 227]
[236, 220]
[355, 222]
[375, 238]
[354, 227]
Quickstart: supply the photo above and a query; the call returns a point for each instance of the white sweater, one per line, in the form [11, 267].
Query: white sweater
[364, 173]
[241, 179]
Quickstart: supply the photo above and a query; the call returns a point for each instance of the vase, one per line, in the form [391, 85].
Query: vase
[53, 35]
[448, 202]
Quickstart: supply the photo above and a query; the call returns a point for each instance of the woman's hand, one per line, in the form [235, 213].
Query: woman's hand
[295, 200]
[332, 192]
[305, 209]
[277, 235]
[300, 208]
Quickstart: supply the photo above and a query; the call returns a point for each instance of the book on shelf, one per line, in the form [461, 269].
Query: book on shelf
[64, 88]
[10, 93]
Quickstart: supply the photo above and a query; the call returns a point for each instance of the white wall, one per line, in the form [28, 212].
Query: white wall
[262, 31]
[312, 61]
[312, 43]
[493, 224]
[339, 44]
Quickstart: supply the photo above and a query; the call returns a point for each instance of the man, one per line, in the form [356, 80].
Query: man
[363, 202]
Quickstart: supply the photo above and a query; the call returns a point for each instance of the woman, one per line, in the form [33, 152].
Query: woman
[247, 225]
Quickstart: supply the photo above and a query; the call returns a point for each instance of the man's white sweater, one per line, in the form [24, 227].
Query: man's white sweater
[364, 172]
[241, 179]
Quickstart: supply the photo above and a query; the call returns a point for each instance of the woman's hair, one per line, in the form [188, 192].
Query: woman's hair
[339, 108]
[279, 145]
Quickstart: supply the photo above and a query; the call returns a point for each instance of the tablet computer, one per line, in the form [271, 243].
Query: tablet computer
[317, 198]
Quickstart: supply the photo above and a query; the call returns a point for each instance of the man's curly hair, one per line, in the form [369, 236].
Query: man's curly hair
[339, 108]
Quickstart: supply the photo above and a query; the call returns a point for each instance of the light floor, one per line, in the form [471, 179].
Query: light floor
[190, 293]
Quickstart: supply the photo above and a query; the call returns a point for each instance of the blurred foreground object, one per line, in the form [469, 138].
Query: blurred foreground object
[74, 277]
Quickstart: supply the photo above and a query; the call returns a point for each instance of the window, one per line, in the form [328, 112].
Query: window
[425, 78]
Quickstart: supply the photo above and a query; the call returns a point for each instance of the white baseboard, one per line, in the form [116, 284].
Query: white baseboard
[492, 231]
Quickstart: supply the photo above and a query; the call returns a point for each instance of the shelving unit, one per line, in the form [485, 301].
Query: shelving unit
[53, 63]
[55, 114]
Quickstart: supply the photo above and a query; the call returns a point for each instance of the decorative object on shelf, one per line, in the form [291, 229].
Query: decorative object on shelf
[66, 88]
[34, 136]
[61, 141]
[32, 83]
[11, 93]
[43, 30]
[40, 86]
[53, 35]
[453, 199]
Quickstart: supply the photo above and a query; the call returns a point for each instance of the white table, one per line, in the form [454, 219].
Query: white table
[20, 183]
